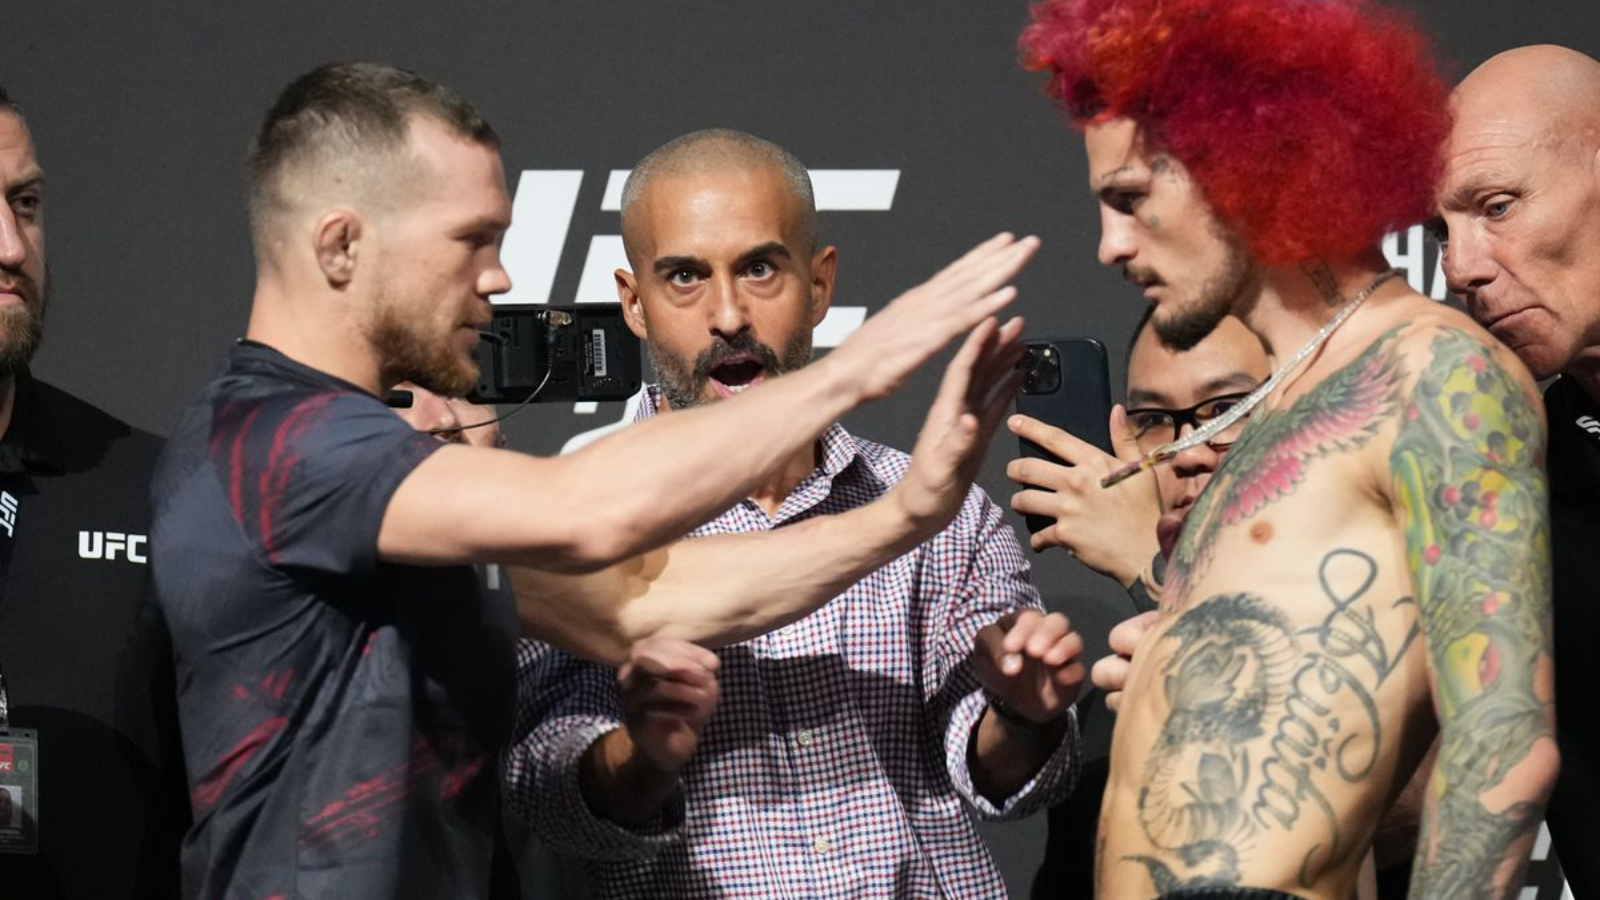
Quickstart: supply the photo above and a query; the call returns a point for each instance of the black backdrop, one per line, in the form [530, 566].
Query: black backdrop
[142, 112]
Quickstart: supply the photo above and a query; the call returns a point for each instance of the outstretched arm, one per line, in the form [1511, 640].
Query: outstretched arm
[1468, 470]
[727, 588]
[638, 489]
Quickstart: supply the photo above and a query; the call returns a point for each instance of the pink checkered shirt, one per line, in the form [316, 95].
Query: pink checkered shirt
[836, 764]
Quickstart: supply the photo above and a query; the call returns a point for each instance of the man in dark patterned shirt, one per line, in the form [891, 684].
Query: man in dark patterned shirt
[343, 681]
[843, 746]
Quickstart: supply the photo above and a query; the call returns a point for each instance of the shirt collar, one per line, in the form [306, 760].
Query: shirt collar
[1574, 455]
[839, 447]
[27, 443]
[246, 352]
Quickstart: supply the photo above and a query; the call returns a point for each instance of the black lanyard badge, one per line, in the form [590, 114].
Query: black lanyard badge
[19, 783]
[19, 747]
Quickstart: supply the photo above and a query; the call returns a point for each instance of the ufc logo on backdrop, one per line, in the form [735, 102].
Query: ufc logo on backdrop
[1542, 880]
[1413, 261]
[8, 513]
[108, 544]
[541, 218]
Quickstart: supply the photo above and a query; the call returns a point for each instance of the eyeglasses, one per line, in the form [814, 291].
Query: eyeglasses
[1153, 426]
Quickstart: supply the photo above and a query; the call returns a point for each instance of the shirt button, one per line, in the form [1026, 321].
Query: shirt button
[805, 738]
[821, 846]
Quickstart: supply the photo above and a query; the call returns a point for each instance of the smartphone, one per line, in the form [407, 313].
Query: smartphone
[1066, 383]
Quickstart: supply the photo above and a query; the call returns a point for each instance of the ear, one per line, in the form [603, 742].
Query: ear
[632, 306]
[824, 269]
[335, 239]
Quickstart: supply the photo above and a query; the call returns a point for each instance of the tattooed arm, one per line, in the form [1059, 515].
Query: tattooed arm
[1468, 471]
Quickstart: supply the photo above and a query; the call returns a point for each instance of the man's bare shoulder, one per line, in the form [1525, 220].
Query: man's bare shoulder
[1432, 338]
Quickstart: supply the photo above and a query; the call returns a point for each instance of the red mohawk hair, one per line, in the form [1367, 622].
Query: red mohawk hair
[1313, 127]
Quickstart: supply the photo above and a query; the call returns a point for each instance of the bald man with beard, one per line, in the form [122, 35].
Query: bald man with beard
[1520, 215]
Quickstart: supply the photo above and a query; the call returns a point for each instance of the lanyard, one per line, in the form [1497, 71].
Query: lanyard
[8, 510]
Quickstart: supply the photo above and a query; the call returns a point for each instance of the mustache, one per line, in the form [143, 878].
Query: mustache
[19, 283]
[1139, 275]
[741, 345]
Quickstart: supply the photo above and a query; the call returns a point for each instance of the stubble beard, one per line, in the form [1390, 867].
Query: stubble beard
[22, 326]
[409, 353]
[1187, 325]
[684, 386]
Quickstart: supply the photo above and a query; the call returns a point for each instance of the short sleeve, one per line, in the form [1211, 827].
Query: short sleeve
[309, 476]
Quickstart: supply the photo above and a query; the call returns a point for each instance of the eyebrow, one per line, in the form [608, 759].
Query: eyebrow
[1114, 181]
[485, 223]
[771, 249]
[1119, 170]
[669, 264]
[1462, 196]
[33, 179]
[1139, 399]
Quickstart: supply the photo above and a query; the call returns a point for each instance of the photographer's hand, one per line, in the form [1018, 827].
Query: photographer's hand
[1110, 673]
[1113, 530]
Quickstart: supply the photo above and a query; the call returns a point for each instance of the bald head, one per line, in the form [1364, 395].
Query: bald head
[1520, 205]
[1550, 88]
[717, 151]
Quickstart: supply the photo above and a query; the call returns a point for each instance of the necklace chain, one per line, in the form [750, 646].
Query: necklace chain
[1243, 408]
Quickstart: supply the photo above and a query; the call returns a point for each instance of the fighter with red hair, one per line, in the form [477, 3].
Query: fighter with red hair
[1369, 567]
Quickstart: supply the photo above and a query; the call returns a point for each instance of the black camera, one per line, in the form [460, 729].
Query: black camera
[566, 353]
[552, 354]
[1041, 368]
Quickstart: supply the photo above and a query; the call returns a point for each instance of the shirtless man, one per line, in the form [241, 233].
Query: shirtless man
[1373, 552]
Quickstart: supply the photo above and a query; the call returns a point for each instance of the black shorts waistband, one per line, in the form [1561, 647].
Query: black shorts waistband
[1227, 893]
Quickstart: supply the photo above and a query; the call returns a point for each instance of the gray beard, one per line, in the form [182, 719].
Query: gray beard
[682, 386]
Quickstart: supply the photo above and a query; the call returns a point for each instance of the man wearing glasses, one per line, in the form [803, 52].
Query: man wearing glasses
[1170, 392]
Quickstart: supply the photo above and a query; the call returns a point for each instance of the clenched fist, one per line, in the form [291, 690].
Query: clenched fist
[668, 690]
[1029, 661]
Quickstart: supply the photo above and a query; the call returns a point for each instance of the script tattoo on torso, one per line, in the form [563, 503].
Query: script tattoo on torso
[1241, 673]
[1273, 719]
